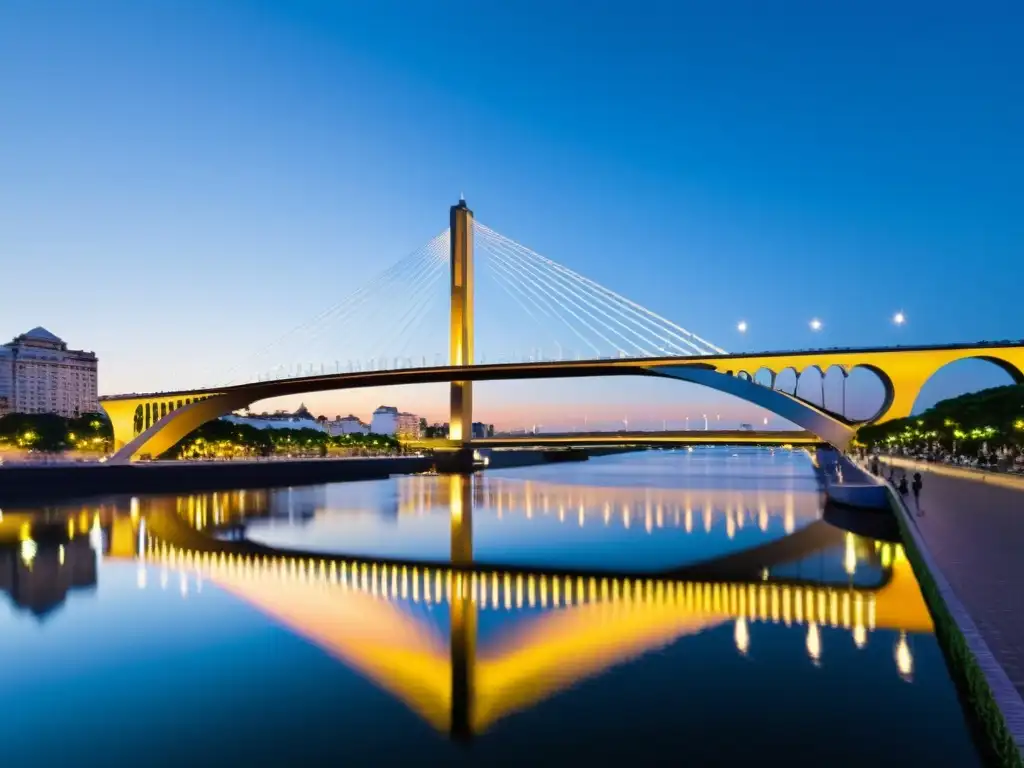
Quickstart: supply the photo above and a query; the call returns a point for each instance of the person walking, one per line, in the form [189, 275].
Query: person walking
[903, 485]
[916, 487]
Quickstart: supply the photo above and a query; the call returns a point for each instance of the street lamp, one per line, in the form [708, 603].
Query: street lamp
[705, 422]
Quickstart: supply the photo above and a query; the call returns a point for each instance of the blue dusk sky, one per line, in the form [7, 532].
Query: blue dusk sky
[183, 181]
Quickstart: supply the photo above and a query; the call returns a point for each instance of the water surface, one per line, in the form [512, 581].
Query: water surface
[768, 635]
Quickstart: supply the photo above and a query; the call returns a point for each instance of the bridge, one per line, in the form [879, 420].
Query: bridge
[641, 342]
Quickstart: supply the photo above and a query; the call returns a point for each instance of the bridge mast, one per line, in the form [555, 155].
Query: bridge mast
[461, 330]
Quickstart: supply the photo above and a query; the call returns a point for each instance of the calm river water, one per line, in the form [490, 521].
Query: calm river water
[687, 607]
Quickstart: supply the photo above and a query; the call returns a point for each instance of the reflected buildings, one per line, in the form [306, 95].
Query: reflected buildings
[38, 575]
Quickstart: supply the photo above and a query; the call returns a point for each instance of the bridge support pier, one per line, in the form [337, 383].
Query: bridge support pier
[460, 425]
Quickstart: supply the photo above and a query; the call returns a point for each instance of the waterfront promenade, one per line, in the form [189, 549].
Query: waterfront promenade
[975, 533]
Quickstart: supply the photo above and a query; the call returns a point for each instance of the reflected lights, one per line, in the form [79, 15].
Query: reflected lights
[742, 635]
[814, 643]
[850, 558]
[860, 636]
[904, 659]
[28, 551]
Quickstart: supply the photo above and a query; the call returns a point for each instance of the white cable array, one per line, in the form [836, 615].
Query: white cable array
[679, 339]
[519, 296]
[374, 326]
[531, 288]
[569, 295]
[357, 310]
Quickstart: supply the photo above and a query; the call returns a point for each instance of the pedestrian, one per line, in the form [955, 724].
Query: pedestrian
[917, 485]
[903, 485]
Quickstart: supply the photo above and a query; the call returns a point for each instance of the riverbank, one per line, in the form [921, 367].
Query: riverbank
[960, 577]
[45, 483]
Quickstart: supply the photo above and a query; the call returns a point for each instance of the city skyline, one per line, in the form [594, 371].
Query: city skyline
[314, 145]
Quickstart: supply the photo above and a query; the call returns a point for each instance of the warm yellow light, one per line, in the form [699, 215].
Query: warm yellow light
[860, 636]
[814, 642]
[28, 551]
[904, 659]
[850, 558]
[741, 635]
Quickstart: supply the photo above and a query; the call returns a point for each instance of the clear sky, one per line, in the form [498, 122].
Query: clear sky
[181, 182]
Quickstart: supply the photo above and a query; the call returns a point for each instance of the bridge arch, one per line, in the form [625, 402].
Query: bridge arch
[902, 372]
[902, 384]
[816, 421]
[782, 377]
[765, 376]
[1002, 369]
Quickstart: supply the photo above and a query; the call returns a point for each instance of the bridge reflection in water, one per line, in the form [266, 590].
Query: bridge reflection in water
[380, 617]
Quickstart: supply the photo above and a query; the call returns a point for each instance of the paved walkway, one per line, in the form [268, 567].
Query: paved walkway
[975, 532]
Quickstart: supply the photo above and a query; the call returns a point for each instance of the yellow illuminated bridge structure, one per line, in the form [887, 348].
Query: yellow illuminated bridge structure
[576, 624]
[149, 424]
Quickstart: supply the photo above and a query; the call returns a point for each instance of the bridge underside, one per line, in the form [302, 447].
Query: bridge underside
[181, 421]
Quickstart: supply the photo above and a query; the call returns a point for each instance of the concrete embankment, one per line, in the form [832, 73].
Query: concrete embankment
[848, 484]
[45, 483]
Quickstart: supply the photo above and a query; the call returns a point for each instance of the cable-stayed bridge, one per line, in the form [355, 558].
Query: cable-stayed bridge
[410, 325]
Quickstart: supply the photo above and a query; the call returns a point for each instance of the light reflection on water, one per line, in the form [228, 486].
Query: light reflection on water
[804, 649]
[639, 512]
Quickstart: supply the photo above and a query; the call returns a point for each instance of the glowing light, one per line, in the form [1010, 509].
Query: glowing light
[814, 643]
[850, 558]
[60, 554]
[899, 318]
[860, 636]
[904, 659]
[96, 535]
[741, 326]
[28, 551]
[741, 635]
[815, 324]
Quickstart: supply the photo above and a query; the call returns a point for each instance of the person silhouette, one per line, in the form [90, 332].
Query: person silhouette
[917, 485]
[903, 485]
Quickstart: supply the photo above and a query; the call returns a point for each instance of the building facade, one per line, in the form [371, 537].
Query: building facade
[39, 374]
[300, 419]
[408, 427]
[388, 421]
[384, 421]
[348, 425]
